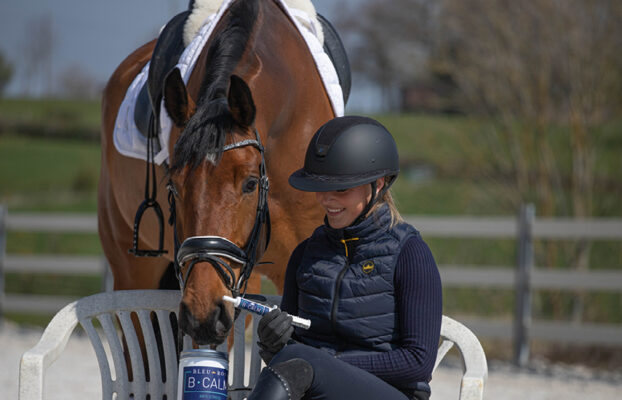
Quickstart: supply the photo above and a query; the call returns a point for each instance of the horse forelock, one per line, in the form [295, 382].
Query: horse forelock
[205, 133]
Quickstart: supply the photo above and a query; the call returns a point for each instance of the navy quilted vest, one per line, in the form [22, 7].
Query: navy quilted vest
[345, 285]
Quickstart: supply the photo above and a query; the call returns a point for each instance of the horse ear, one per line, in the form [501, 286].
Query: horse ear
[178, 104]
[241, 102]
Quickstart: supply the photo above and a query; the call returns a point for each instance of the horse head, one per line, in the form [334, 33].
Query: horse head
[218, 190]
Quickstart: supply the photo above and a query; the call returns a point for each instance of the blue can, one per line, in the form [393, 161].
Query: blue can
[203, 375]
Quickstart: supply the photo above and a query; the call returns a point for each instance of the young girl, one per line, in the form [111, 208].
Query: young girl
[366, 280]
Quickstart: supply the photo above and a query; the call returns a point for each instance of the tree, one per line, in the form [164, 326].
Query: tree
[76, 83]
[6, 73]
[531, 66]
[389, 42]
[539, 68]
[37, 51]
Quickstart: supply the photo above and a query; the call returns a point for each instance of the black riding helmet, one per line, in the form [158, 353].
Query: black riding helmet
[347, 152]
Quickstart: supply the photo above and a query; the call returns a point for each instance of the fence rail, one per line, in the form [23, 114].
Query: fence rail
[504, 277]
[52, 222]
[55, 263]
[507, 227]
[522, 278]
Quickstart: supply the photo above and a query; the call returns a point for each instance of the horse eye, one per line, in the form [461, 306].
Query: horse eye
[250, 185]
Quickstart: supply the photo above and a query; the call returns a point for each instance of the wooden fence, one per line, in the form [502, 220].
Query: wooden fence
[46, 263]
[523, 277]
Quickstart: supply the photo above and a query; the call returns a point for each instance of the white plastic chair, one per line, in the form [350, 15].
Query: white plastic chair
[474, 365]
[108, 308]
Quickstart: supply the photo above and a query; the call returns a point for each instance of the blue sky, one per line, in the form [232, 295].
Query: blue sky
[96, 35]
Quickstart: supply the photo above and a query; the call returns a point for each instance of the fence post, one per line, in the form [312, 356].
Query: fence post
[2, 258]
[524, 266]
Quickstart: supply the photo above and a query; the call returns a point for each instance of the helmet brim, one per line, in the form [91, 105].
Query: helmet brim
[306, 182]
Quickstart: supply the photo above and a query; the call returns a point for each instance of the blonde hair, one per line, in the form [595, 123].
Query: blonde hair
[387, 198]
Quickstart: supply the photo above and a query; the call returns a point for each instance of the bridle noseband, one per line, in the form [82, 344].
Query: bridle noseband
[213, 249]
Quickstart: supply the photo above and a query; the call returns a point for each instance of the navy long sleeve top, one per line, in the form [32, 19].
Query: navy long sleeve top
[418, 297]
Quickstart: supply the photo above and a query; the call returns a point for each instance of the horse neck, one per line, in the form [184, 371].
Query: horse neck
[286, 85]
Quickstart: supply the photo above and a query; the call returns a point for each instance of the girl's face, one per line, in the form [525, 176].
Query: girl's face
[344, 206]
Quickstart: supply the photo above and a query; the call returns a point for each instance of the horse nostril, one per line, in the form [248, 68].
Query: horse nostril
[186, 320]
[183, 308]
[222, 318]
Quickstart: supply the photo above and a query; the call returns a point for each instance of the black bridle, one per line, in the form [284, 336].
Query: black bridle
[213, 249]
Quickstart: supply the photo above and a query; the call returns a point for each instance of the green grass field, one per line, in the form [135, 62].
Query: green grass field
[48, 174]
[444, 170]
[51, 118]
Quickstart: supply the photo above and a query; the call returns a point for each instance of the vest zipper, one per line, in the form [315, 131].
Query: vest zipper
[333, 312]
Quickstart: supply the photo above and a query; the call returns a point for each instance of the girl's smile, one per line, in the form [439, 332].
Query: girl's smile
[344, 206]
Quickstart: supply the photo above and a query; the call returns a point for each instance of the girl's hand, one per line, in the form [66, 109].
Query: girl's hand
[274, 331]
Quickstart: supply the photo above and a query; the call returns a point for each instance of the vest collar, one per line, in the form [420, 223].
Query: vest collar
[366, 230]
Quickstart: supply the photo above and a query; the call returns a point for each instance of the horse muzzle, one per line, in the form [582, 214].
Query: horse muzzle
[211, 329]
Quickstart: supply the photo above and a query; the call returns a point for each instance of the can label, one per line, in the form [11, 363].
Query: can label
[204, 383]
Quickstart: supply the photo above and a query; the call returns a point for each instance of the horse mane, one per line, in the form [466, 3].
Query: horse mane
[205, 133]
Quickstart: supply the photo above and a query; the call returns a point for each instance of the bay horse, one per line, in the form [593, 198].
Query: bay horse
[241, 122]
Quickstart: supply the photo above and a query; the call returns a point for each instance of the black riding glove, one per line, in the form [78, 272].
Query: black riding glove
[274, 331]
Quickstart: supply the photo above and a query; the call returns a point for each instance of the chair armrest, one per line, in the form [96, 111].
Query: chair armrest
[473, 357]
[36, 360]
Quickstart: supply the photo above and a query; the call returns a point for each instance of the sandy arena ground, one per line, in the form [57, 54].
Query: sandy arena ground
[75, 375]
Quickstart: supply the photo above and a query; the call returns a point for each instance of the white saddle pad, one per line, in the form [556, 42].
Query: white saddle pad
[131, 143]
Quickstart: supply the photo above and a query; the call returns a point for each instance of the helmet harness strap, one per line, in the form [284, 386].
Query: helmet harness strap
[388, 181]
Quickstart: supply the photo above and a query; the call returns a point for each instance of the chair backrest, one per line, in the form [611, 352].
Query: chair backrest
[156, 311]
[114, 312]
